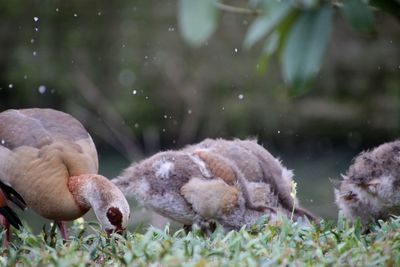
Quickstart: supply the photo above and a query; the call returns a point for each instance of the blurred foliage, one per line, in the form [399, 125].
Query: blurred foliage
[296, 30]
[123, 70]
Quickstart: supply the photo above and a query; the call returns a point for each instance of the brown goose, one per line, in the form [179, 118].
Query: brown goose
[48, 157]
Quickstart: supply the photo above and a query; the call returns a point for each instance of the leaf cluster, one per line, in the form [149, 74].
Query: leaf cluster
[285, 243]
[297, 31]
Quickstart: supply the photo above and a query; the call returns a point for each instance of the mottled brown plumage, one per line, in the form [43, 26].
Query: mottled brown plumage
[218, 168]
[48, 157]
[270, 181]
[371, 187]
[203, 182]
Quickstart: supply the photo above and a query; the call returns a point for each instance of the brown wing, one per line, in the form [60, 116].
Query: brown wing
[218, 166]
[38, 127]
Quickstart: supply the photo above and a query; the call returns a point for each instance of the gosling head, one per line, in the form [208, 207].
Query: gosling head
[355, 202]
[378, 173]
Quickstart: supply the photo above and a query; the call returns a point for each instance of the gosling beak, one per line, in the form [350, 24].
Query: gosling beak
[111, 231]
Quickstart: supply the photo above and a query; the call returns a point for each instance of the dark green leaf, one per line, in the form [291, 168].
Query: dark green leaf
[305, 46]
[197, 20]
[270, 47]
[271, 44]
[358, 15]
[263, 25]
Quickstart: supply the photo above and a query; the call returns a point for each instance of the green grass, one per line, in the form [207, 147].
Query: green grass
[283, 244]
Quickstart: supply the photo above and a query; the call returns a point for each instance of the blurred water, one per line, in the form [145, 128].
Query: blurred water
[312, 173]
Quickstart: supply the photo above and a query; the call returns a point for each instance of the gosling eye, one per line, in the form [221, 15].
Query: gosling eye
[349, 196]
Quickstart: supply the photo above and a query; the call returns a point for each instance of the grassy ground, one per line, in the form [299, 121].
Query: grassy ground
[283, 244]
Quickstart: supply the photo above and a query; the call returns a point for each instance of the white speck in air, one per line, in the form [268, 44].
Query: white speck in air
[42, 89]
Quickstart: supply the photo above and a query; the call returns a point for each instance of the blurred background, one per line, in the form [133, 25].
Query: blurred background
[123, 69]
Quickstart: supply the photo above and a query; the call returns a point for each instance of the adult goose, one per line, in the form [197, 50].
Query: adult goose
[48, 162]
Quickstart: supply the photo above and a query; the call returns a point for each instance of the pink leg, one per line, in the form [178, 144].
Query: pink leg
[6, 225]
[63, 229]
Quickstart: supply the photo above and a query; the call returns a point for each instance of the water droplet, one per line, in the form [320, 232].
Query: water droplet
[75, 15]
[136, 125]
[171, 29]
[32, 41]
[279, 131]
[25, 77]
[42, 89]
[36, 29]
[57, 9]
[163, 130]
[236, 50]
[223, 108]
[165, 116]
[189, 111]
[3, 142]
[10, 85]
[99, 13]
[34, 53]
[134, 92]
[35, 19]
[240, 96]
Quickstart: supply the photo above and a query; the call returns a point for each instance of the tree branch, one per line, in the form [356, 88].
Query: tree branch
[237, 10]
